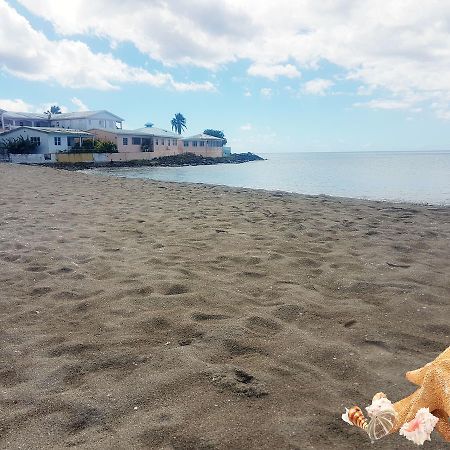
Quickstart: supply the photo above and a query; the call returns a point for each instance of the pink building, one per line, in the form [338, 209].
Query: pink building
[152, 142]
[155, 141]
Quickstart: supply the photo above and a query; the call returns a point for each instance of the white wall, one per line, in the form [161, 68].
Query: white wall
[26, 133]
[102, 121]
[57, 148]
[32, 159]
[47, 140]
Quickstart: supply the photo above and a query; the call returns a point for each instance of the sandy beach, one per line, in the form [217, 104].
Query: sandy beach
[140, 314]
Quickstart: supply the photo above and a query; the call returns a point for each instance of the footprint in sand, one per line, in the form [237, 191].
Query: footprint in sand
[262, 325]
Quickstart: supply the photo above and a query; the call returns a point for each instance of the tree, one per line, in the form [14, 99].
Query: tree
[215, 133]
[178, 123]
[19, 145]
[54, 109]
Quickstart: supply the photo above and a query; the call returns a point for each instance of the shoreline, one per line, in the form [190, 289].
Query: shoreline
[185, 159]
[180, 315]
[275, 193]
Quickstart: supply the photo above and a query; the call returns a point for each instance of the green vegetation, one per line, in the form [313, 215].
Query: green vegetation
[216, 133]
[19, 145]
[178, 123]
[105, 147]
[88, 145]
[54, 109]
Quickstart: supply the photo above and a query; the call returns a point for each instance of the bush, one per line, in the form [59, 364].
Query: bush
[97, 147]
[19, 145]
[105, 147]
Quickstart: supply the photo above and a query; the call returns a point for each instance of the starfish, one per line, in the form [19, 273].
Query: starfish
[433, 393]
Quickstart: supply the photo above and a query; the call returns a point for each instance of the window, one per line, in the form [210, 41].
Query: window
[47, 156]
[136, 140]
[57, 140]
[57, 124]
[162, 141]
[186, 143]
[194, 143]
[21, 124]
[156, 142]
[174, 142]
[36, 140]
[125, 141]
[202, 143]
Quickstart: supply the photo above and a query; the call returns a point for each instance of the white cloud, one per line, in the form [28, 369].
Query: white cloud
[385, 104]
[247, 94]
[79, 104]
[273, 71]
[27, 53]
[266, 92]
[318, 86]
[246, 127]
[396, 47]
[17, 105]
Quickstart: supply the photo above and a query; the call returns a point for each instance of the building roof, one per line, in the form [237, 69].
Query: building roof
[63, 116]
[25, 115]
[58, 131]
[202, 136]
[156, 132]
[83, 115]
[159, 132]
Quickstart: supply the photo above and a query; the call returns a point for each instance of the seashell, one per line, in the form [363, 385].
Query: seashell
[381, 425]
[382, 417]
[378, 395]
[354, 416]
[419, 429]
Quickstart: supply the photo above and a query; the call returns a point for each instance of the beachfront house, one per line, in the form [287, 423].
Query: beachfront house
[156, 141]
[203, 145]
[49, 141]
[83, 120]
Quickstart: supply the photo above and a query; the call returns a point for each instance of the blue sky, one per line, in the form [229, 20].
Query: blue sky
[276, 77]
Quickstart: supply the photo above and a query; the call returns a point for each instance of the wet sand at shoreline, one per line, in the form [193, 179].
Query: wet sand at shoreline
[141, 314]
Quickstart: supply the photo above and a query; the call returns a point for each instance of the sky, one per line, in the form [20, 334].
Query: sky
[274, 75]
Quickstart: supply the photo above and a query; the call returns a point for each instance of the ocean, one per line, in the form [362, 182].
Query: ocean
[417, 177]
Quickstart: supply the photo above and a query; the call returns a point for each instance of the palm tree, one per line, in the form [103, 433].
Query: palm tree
[54, 109]
[178, 123]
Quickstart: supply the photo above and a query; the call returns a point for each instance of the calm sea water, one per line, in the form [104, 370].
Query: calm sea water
[418, 177]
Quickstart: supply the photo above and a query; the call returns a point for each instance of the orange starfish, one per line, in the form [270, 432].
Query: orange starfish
[433, 393]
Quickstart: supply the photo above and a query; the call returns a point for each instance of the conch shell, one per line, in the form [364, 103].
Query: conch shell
[382, 417]
[354, 416]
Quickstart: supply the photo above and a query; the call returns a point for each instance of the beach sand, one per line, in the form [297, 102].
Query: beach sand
[140, 314]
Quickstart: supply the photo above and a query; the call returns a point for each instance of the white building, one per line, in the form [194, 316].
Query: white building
[84, 120]
[48, 140]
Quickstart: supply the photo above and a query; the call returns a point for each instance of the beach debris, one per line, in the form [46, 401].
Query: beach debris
[417, 415]
[354, 416]
[381, 413]
[433, 393]
[420, 428]
[382, 417]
